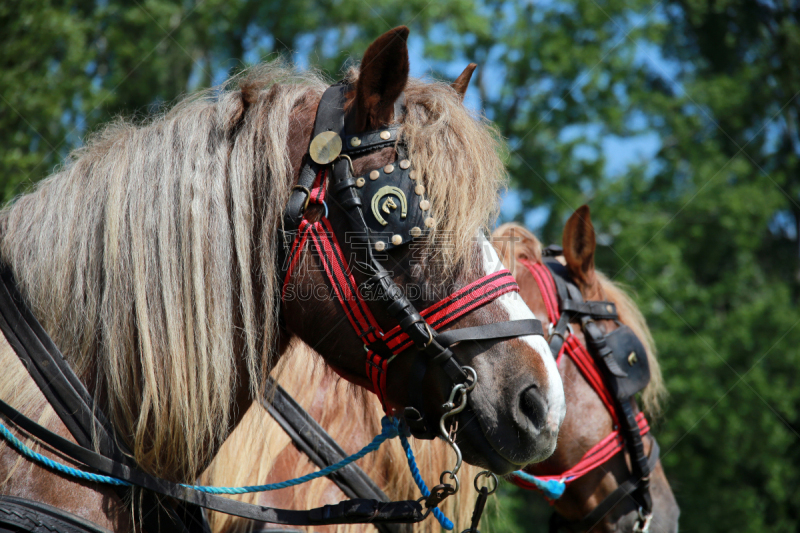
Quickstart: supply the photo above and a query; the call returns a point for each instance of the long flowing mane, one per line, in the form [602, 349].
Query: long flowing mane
[254, 449]
[514, 242]
[149, 257]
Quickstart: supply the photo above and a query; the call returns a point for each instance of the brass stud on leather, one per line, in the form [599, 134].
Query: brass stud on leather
[415, 231]
[430, 222]
[355, 141]
[380, 246]
[610, 308]
[388, 169]
[374, 175]
[385, 135]
[397, 240]
[412, 175]
[419, 189]
[424, 205]
[360, 182]
[325, 147]
[405, 163]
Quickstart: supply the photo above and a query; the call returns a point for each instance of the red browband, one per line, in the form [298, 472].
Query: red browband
[438, 315]
[607, 448]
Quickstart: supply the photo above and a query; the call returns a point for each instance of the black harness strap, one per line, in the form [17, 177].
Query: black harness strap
[573, 307]
[351, 511]
[17, 514]
[322, 449]
[72, 402]
[57, 385]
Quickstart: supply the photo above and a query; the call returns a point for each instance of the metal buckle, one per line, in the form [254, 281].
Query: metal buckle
[308, 195]
[551, 332]
[643, 522]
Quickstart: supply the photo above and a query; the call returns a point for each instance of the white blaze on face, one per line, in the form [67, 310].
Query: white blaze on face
[517, 310]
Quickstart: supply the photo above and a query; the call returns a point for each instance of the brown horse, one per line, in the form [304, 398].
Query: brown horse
[588, 420]
[243, 460]
[151, 260]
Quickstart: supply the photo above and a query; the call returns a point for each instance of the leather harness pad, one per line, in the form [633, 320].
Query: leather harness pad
[631, 357]
[391, 205]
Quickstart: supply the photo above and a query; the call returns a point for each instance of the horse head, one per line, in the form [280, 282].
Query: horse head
[426, 193]
[589, 421]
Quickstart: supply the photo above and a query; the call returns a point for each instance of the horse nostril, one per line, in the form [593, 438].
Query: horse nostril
[533, 406]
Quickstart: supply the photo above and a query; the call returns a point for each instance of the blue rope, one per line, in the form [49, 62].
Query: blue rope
[423, 488]
[552, 488]
[64, 469]
[390, 429]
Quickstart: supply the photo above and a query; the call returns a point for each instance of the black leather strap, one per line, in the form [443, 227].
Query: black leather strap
[353, 511]
[370, 140]
[19, 514]
[596, 515]
[72, 402]
[311, 439]
[599, 310]
[497, 330]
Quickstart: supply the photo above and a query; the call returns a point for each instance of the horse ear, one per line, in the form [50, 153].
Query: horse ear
[579, 245]
[462, 82]
[383, 76]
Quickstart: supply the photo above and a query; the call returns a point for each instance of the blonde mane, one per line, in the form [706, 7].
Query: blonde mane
[514, 242]
[250, 454]
[141, 256]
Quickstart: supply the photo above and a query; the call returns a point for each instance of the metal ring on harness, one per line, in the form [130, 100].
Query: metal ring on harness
[453, 476]
[489, 475]
[551, 331]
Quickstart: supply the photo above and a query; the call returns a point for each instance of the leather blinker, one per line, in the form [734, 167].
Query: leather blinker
[631, 357]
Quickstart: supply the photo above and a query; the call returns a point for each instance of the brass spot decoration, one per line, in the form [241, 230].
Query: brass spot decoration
[388, 169]
[419, 189]
[355, 141]
[397, 240]
[386, 191]
[325, 147]
[374, 175]
[360, 182]
[424, 205]
[412, 175]
[380, 246]
[405, 163]
[385, 135]
[430, 222]
[632, 359]
[415, 232]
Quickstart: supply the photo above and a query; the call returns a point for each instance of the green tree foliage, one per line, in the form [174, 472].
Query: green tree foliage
[676, 121]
